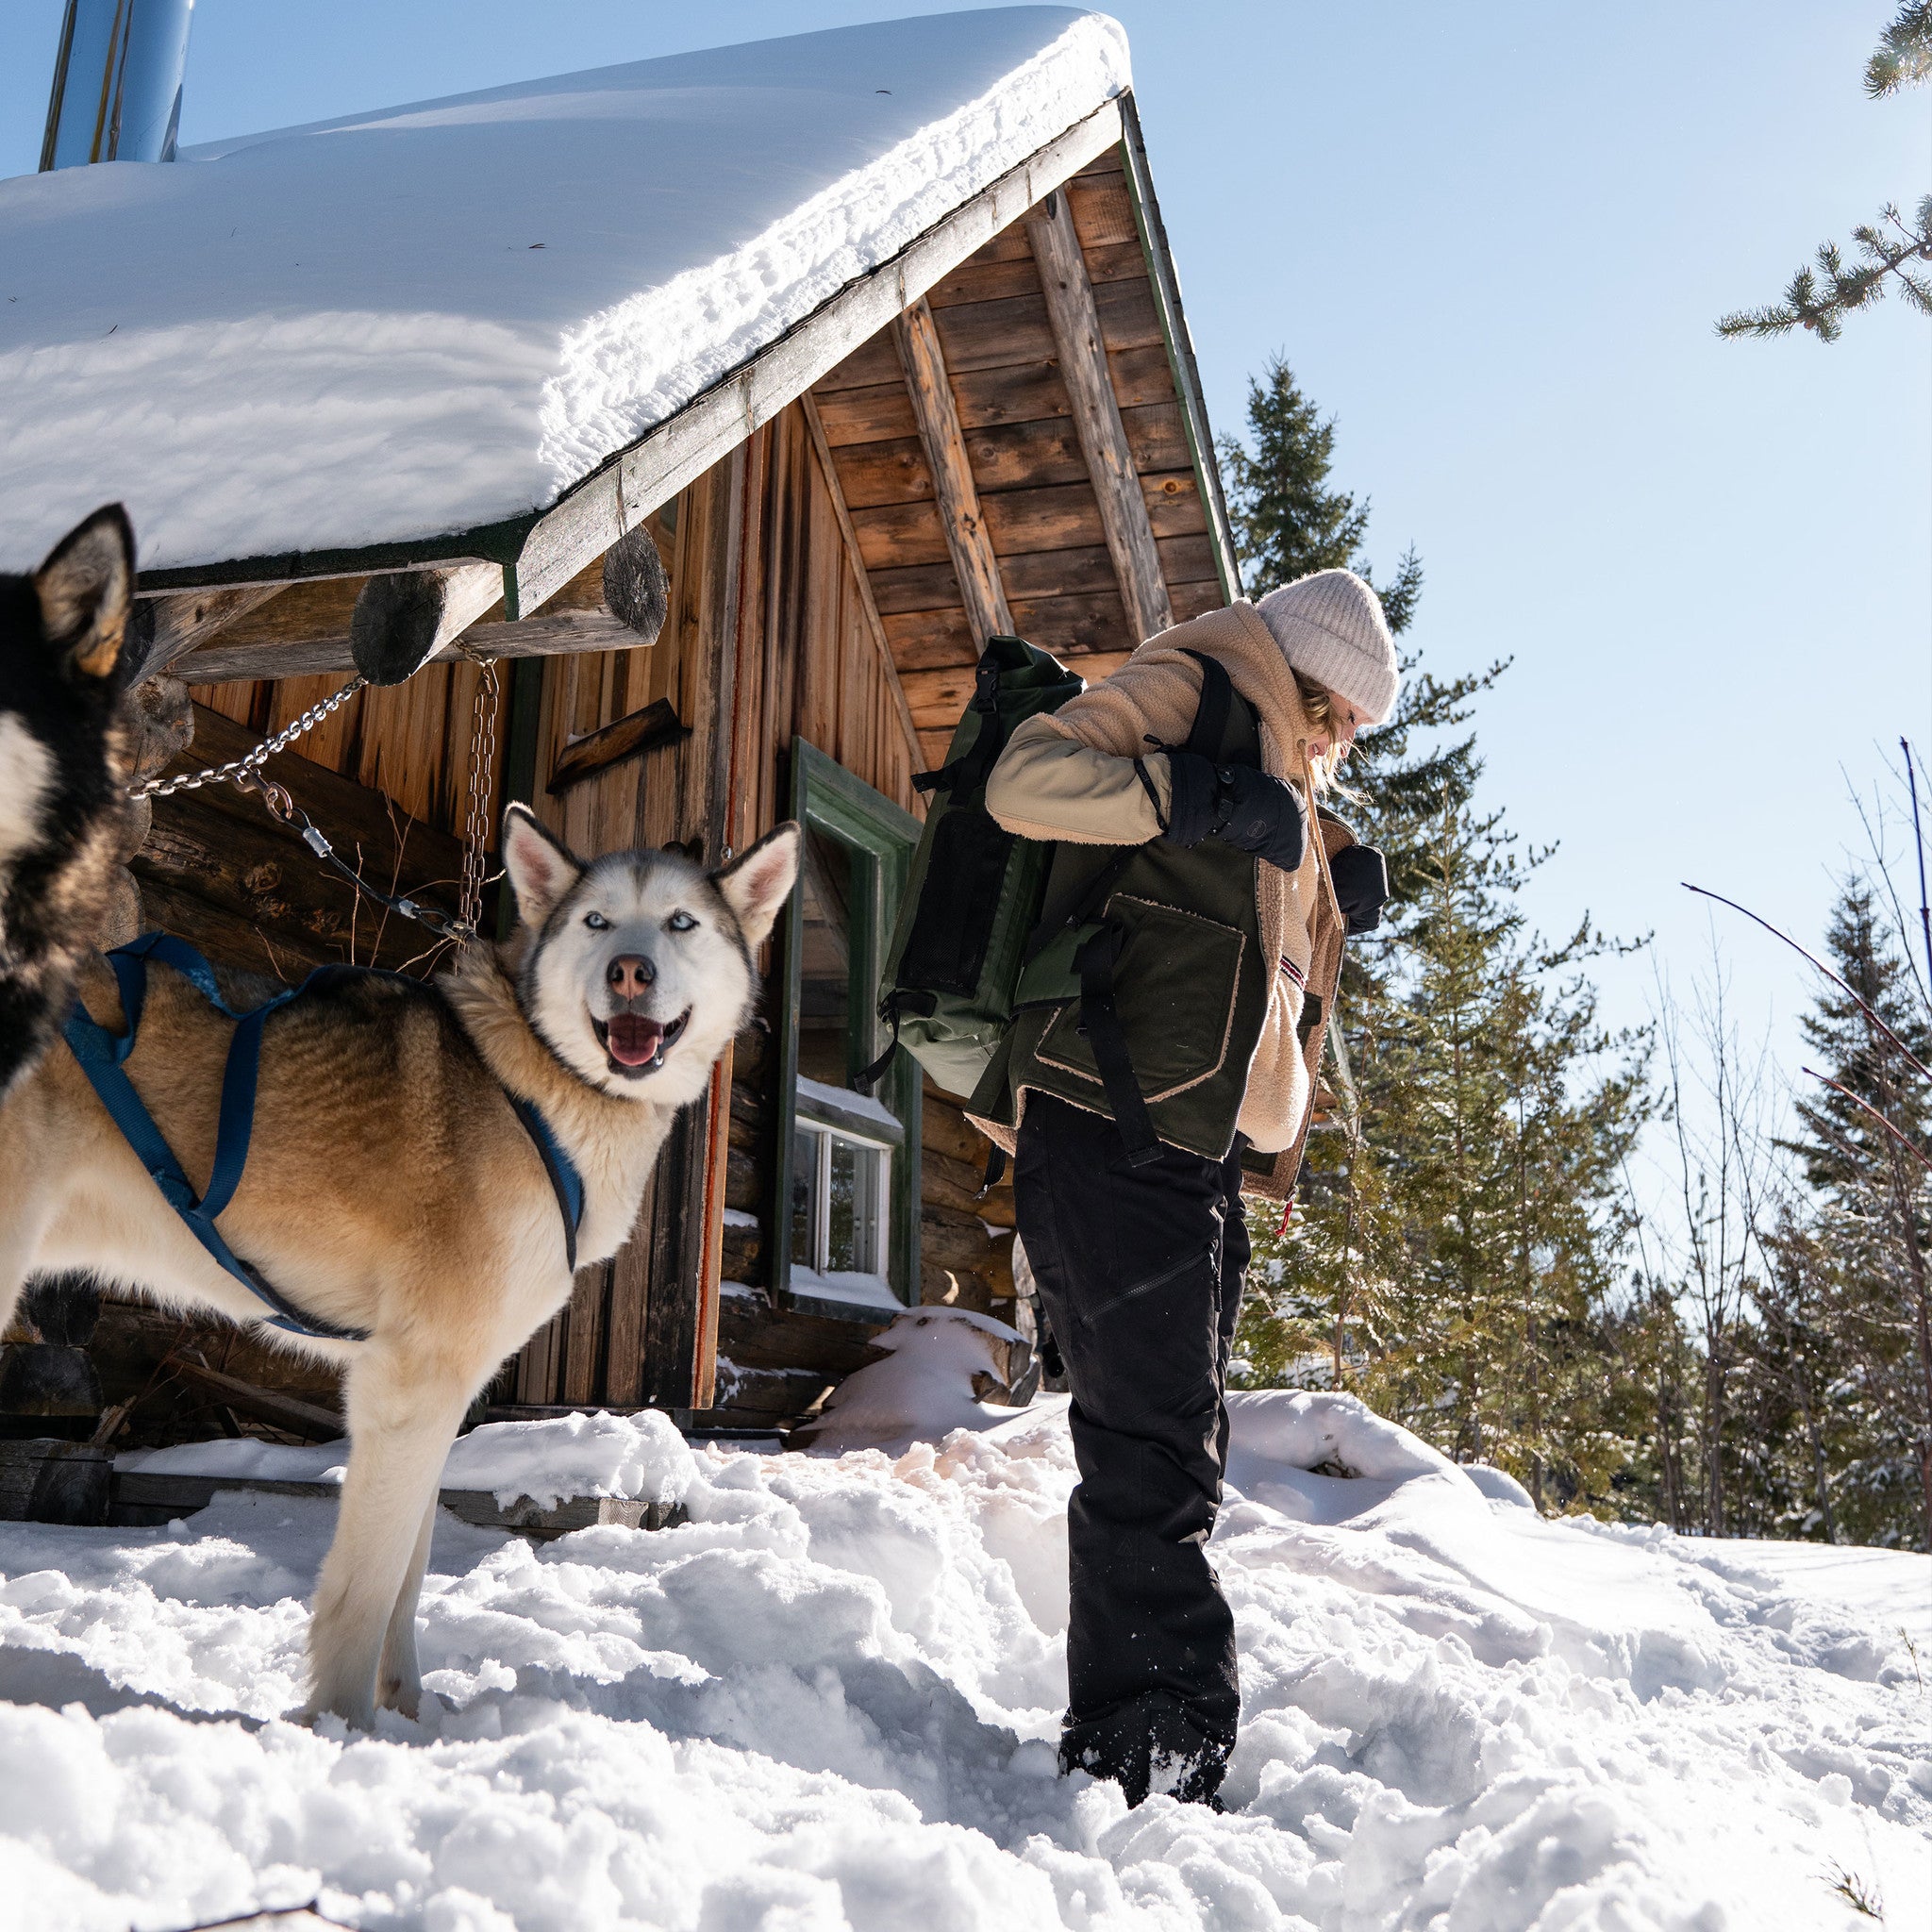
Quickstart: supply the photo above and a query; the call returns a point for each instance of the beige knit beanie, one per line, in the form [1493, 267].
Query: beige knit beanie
[1331, 629]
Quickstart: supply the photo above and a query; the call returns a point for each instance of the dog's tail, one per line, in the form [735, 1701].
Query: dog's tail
[63, 636]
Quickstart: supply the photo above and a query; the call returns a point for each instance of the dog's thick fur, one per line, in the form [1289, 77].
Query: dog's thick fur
[391, 1188]
[64, 764]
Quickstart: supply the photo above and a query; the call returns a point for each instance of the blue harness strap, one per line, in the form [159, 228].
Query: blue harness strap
[101, 1056]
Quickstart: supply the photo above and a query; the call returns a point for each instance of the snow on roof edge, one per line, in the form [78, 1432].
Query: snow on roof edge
[408, 489]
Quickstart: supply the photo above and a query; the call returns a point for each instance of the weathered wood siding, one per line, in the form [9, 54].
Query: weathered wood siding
[813, 594]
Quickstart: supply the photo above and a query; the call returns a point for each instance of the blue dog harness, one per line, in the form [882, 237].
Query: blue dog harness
[102, 1055]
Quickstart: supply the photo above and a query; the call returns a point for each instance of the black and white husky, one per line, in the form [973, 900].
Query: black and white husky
[64, 760]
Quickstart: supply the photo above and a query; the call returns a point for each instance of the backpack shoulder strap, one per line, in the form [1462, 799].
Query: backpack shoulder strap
[1210, 714]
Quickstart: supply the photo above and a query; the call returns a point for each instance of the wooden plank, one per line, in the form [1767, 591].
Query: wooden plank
[177, 624]
[562, 634]
[628, 737]
[962, 523]
[1165, 290]
[272, 1406]
[978, 280]
[879, 412]
[1039, 574]
[1063, 518]
[939, 697]
[1094, 621]
[996, 334]
[870, 473]
[1117, 261]
[1110, 464]
[888, 671]
[1019, 330]
[1025, 392]
[594, 515]
[1054, 517]
[1103, 213]
[584, 1333]
[630, 1288]
[1009, 457]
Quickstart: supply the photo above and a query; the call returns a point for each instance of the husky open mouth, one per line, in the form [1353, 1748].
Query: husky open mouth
[634, 1045]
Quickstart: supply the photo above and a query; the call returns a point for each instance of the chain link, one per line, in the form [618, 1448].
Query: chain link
[238, 770]
[482, 778]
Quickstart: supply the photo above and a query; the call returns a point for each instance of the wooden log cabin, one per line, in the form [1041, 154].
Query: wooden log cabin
[996, 425]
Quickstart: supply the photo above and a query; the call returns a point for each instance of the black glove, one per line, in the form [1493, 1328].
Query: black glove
[1239, 804]
[1361, 885]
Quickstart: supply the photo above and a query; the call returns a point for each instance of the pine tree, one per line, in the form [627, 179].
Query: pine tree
[1451, 1252]
[1288, 522]
[1872, 1227]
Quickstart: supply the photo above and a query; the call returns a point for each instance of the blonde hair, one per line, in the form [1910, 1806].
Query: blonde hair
[1318, 707]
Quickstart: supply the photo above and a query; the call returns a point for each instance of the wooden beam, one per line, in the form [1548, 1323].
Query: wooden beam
[1179, 342]
[594, 515]
[974, 562]
[175, 624]
[554, 636]
[874, 625]
[626, 737]
[1097, 416]
[408, 618]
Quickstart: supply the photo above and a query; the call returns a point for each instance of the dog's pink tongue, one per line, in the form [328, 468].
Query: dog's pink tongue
[634, 1040]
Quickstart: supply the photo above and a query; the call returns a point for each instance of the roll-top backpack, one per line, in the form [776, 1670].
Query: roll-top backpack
[974, 894]
[1145, 989]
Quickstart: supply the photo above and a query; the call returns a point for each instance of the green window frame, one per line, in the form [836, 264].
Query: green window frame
[831, 1140]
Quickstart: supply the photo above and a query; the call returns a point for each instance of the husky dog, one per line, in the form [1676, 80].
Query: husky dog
[65, 762]
[391, 1186]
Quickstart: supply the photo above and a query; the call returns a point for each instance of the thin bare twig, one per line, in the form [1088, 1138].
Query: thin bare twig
[1918, 1065]
[1919, 841]
[1911, 1146]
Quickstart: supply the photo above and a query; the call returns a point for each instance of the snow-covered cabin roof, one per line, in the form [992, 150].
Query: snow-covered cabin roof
[438, 318]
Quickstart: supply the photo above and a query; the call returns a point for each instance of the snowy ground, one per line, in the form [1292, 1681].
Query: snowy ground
[828, 1700]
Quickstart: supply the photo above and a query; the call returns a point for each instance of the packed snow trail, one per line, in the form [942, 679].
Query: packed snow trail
[829, 1698]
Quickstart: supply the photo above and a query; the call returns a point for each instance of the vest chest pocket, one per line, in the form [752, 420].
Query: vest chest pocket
[1176, 985]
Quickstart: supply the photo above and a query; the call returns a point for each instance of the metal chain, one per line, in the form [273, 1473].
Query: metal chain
[238, 770]
[482, 778]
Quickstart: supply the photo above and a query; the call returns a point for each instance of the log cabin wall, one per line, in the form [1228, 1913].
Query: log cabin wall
[831, 581]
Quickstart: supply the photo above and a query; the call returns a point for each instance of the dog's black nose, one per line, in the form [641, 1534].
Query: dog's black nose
[630, 975]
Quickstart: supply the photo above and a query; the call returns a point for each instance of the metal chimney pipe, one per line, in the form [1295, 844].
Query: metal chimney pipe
[117, 82]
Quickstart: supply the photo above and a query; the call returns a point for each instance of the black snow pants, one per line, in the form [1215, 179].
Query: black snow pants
[1139, 1272]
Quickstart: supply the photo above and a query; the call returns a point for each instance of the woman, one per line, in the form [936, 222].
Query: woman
[1131, 1213]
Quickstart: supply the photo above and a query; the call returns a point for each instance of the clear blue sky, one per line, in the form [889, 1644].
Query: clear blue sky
[1491, 239]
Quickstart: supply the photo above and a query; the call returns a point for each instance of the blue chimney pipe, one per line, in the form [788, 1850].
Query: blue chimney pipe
[117, 82]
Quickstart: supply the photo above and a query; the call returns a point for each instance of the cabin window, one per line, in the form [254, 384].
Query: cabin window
[848, 1161]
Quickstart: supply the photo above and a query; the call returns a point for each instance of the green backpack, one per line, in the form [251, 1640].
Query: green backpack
[974, 894]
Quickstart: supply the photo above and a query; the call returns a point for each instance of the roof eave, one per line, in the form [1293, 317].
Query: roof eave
[541, 551]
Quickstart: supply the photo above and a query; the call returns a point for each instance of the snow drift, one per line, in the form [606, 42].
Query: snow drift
[422, 320]
[828, 1700]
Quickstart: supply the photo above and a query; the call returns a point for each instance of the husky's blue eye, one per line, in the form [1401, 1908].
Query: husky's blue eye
[596, 921]
[681, 921]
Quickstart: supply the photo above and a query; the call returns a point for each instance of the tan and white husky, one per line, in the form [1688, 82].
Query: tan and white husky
[392, 1186]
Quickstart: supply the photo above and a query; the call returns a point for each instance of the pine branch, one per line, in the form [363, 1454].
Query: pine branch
[1903, 58]
[1819, 302]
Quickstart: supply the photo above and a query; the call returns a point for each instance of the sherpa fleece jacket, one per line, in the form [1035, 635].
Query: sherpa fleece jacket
[1070, 774]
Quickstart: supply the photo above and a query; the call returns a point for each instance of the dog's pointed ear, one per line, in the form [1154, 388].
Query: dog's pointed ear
[86, 591]
[759, 881]
[542, 868]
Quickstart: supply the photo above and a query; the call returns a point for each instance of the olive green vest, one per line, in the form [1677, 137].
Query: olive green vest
[1144, 991]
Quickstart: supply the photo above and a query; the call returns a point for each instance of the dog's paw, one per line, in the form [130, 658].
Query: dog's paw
[401, 1696]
